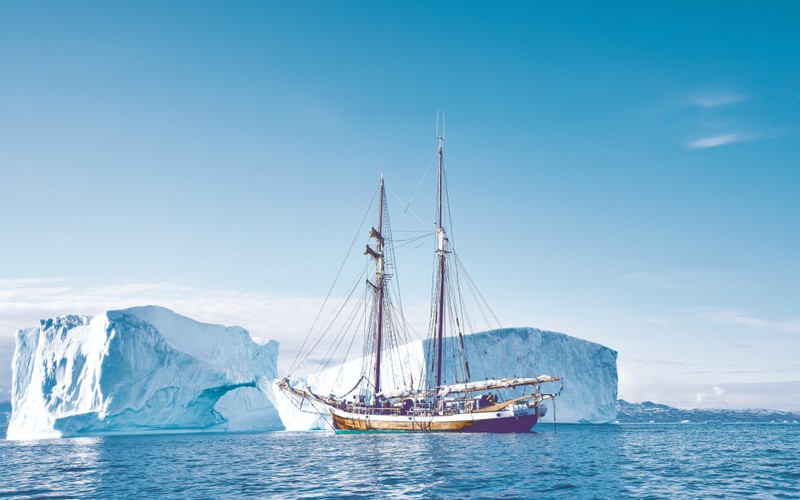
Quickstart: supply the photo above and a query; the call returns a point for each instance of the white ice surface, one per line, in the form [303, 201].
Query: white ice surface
[589, 370]
[147, 369]
[138, 370]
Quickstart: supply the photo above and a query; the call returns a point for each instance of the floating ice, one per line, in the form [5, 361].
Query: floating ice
[139, 370]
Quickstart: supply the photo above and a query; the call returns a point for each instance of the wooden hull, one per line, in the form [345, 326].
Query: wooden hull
[519, 420]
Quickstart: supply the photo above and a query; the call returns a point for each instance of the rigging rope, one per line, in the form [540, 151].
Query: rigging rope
[355, 237]
[338, 311]
[408, 209]
[349, 347]
[430, 164]
[475, 288]
[351, 319]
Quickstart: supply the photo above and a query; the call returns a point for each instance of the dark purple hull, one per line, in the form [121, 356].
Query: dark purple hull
[522, 423]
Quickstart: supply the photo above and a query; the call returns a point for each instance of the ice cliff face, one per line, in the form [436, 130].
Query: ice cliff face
[589, 371]
[138, 370]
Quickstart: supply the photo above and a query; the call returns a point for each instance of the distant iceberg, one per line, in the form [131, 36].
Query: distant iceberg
[139, 370]
[590, 373]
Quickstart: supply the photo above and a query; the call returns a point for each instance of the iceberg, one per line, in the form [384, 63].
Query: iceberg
[150, 370]
[139, 370]
[589, 369]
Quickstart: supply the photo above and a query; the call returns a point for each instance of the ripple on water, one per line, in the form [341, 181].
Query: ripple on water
[613, 461]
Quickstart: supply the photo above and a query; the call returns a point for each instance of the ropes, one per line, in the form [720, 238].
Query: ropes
[322, 333]
[362, 313]
[474, 288]
[355, 236]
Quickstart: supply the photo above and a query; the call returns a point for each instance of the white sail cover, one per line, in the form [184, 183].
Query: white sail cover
[484, 385]
[480, 385]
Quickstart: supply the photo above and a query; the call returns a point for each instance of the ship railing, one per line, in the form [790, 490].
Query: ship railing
[371, 410]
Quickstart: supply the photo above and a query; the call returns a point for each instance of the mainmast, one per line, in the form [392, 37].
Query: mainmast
[378, 286]
[441, 239]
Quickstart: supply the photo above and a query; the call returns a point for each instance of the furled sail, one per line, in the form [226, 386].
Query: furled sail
[485, 385]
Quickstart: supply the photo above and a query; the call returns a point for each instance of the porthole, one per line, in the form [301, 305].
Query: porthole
[498, 414]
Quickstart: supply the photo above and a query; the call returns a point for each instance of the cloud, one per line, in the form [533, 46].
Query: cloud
[21, 282]
[715, 141]
[23, 302]
[715, 100]
[686, 279]
[649, 361]
[770, 395]
[703, 124]
[739, 318]
[713, 399]
[286, 319]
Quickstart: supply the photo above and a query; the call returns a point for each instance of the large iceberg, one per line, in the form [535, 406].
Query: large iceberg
[139, 370]
[589, 392]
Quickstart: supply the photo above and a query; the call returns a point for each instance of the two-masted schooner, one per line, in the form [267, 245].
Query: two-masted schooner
[430, 404]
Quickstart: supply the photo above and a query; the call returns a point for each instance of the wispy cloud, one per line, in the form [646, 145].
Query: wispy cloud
[649, 361]
[772, 395]
[715, 396]
[23, 302]
[715, 100]
[739, 318]
[705, 124]
[285, 319]
[716, 141]
[685, 279]
[22, 282]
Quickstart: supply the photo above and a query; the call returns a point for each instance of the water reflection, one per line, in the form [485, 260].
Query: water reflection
[61, 466]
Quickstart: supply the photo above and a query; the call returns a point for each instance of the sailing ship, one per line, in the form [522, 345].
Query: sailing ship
[432, 403]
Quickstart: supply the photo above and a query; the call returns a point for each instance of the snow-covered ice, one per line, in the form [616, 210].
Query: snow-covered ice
[589, 370]
[139, 370]
[150, 370]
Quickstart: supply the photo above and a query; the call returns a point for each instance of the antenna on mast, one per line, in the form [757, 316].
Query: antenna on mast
[438, 135]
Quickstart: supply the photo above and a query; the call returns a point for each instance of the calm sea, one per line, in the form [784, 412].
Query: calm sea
[609, 461]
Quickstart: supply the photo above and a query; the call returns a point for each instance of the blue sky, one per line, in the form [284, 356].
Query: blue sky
[624, 173]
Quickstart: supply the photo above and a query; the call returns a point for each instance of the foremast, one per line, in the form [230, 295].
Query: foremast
[379, 285]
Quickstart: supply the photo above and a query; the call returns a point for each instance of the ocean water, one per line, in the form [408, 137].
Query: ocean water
[604, 461]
